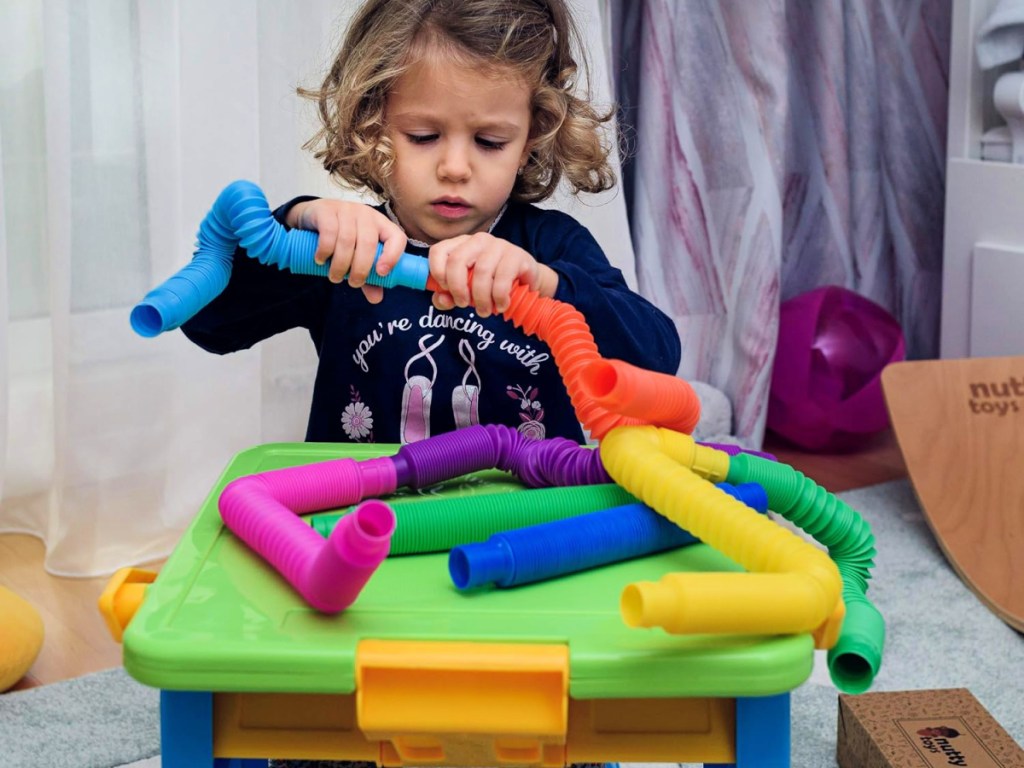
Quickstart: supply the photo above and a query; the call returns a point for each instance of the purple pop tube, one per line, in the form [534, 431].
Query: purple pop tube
[537, 463]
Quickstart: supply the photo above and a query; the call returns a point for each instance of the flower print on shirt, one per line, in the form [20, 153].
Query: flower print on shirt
[531, 412]
[357, 418]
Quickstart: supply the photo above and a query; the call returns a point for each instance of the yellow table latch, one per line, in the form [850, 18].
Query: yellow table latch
[464, 703]
[122, 597]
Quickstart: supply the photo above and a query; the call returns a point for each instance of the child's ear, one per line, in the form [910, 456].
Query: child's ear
[523, 159]
[527, 149]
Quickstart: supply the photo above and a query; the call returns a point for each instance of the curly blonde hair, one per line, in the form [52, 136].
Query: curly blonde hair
[531, 39]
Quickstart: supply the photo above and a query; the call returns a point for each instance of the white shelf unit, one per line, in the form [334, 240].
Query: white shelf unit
[983, 252]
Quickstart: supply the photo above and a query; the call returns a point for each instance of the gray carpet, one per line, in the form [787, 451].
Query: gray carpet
[939, 636]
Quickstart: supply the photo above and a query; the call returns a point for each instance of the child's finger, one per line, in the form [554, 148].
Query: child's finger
[506, 275]
[438, 258]
[373, 293]
[328, 230]
[364, 253]
[459, 261]
[344, 245]
[394, 241]
[482, 280]
[443, 301]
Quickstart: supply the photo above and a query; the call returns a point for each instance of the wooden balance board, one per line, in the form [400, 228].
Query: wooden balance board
[960, 426]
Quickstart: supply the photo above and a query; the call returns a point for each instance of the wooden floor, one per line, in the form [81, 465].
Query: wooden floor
[77, 641]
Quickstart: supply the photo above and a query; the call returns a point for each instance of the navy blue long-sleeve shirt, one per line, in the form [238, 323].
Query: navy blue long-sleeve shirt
[401, 370]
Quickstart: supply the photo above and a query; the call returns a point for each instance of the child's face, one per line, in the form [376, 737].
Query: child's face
[460, 136]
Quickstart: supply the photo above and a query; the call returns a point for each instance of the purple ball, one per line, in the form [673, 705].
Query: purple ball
[826, 390]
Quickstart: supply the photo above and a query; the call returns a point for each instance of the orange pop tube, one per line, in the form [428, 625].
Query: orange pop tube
[563, 328]
[656, 398]
[794, 587]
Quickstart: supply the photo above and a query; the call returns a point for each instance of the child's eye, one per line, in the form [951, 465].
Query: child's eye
[421, 138]
[490, 145]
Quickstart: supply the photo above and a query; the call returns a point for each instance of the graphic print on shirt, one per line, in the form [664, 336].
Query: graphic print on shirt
[471, 347]
[418, 393]
[466, 396]
[531, 412]
[357, 418]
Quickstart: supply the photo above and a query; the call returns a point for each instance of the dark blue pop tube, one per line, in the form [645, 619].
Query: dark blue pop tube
[548, 550]
[241, 217]
[752, 494]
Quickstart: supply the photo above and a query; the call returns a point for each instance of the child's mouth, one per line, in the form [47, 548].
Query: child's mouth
[450, 209]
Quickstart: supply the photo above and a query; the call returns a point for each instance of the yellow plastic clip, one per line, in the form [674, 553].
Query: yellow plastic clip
[122, 597]
[465, 703]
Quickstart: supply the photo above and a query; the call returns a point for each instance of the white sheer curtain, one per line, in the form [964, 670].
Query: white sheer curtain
[120, 121]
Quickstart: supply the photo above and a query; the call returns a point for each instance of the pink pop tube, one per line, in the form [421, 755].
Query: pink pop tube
[339, 571]
[261, 510]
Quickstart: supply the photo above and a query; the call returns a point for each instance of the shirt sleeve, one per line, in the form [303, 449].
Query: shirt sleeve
[258, 302]
[625, 325]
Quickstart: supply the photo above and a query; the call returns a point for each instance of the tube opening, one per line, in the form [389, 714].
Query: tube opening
[851, 672]
[599, 378]
[631, 605]
[458, 567]
[375, 519]
[146, 320]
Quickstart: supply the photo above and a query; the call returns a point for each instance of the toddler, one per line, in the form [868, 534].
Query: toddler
[458, 115]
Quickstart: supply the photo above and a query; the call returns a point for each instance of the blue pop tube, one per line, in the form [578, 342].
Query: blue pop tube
[240, 216]
[548, 550]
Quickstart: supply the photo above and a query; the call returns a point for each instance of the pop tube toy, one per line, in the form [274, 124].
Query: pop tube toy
[438, 524]
[241, 217]
[329, 574]
[854, 636]
[794, 587]
[560, 547]
[856, 655]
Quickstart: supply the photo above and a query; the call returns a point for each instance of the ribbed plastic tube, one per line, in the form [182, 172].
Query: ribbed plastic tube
[560, 547]
[856, 655]
[564, 329]
[654, 398]
[240, 216]
[260, 510]
[437, 525]
[792, 588]
[537, 463]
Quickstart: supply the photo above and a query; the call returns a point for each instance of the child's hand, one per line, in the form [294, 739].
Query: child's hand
[496, 266]
[349, 234]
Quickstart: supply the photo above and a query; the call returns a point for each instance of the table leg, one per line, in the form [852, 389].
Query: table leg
[762, 732]
[186, 729]
[186, 733]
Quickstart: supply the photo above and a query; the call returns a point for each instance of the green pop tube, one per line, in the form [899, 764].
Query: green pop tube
[854, 660]
[437, 525]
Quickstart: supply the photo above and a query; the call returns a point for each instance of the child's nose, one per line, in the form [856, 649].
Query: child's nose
[454, 163]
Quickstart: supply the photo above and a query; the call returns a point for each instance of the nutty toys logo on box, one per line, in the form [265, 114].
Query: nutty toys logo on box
[996, 398]
[936, 739]
[943, 741]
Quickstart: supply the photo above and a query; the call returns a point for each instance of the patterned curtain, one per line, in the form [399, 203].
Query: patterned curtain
[775, 147]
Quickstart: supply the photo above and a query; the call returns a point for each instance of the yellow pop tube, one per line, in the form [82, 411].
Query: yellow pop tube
[658, 466]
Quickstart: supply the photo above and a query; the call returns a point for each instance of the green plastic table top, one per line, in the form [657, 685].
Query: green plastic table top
[218, 618]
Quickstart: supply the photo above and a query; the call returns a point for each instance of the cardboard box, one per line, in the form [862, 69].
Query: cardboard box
[922, 729]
